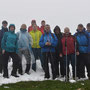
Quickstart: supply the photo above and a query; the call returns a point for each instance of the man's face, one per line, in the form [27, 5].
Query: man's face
[47, 29]
[80, 28]
[33, 23]
[35, 27]
[88, 28]
[43, 23]
[5, 25]
[23, 27]
[66, 31]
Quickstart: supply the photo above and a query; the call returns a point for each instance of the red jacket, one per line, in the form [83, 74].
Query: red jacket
[42, 29]
[31, 28]
[70, 42]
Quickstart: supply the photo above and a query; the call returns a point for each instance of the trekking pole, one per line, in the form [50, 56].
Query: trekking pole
[75, 61]
[66, 61]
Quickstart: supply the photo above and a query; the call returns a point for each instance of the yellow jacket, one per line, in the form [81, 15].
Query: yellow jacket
[36, 35]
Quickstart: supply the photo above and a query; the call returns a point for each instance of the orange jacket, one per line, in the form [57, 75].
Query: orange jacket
[42, 29]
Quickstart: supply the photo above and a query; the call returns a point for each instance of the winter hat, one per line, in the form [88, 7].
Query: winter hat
[4, 22]
[12, 25]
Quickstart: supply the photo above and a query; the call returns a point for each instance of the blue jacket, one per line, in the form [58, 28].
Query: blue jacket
[88, 33]
[9, 42]
[24, 40]
[52, 39]
[2, 31]
[82, 40]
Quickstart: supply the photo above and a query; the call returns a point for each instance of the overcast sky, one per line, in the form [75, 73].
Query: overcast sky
[56, 12]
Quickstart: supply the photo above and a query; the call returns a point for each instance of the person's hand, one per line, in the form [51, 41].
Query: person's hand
[60, 55]
[77, 53]
[3, 51]
[48, 44]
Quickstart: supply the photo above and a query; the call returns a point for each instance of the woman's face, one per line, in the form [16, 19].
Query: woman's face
[57, 31]
[12, 28]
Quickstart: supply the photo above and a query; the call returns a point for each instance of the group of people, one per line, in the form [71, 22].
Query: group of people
[59, 49]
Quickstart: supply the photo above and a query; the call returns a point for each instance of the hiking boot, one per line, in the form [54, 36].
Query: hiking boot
[89, 78]
[5, 76]
[14, 75]
[27, 73]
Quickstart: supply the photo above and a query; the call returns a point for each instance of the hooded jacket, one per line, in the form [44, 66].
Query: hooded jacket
[9, 42]
[82, 39]
[47, 37]
[59, 37]
[36, 35]
[24, 39]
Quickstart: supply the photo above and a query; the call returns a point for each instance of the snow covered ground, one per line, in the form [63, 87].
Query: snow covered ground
[34, 76]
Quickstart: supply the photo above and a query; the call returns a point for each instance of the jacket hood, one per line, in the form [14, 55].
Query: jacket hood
[11, 26]
[57, 28]
[82, 30]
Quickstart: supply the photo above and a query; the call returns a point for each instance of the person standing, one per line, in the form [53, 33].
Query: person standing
[24, 47]
[10, 49]
[36, 35]
[42, 28]
[2, 31]
[30, 28]
[82, 39]
[68, 41]
[48, 42]
[59, 58]
[88, 61]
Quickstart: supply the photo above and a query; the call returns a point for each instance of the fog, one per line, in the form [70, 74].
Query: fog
[65, 13]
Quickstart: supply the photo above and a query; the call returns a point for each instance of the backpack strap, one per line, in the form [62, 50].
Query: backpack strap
[52, 35]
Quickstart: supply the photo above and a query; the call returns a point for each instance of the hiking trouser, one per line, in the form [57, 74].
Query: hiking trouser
[27, 56]
[37, 53]
[46, 57]
[15, 59]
